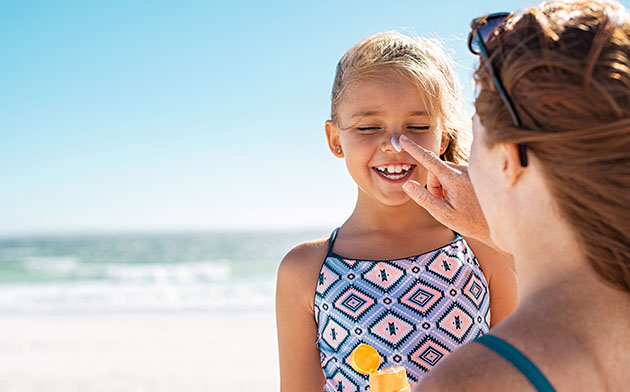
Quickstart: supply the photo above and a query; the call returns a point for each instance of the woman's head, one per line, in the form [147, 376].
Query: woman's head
[424, 63]
[566, 67]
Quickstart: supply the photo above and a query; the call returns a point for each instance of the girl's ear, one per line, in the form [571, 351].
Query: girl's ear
[444, 143]
[332, 135]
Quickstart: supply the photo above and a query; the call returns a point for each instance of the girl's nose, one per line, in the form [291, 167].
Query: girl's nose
[391, 143]
[395, 141]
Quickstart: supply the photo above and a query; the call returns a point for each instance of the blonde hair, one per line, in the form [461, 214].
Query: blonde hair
[426, 64]
[566, 67]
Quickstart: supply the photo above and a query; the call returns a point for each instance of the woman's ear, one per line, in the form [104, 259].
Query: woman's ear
[512, 168]
[332, 135]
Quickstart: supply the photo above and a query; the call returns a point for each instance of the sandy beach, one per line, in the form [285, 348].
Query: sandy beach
[179, 351]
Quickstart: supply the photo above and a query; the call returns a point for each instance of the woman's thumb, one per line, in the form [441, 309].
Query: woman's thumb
[424, 198]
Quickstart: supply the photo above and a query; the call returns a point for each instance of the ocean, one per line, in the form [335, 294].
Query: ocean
[207, 271]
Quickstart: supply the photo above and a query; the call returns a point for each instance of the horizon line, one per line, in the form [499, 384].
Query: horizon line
[65, 232]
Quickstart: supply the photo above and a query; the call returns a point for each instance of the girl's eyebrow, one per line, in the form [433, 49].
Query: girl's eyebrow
[367, 113]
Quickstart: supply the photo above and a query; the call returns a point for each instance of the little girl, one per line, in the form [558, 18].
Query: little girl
[391, 276]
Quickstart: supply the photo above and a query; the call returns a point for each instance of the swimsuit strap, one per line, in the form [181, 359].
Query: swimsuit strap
[332, 239]
[519, 360]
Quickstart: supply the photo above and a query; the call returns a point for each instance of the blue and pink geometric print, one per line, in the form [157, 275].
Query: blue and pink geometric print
[414, 311]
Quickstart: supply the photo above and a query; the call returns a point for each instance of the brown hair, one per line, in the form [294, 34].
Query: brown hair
[566, 66]
[426, 64]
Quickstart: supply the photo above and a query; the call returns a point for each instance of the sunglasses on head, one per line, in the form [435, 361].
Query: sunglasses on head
[481, 30]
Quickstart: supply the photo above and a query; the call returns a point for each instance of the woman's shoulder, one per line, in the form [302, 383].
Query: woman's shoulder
[562, 358]
[473, 368]
[476, 367]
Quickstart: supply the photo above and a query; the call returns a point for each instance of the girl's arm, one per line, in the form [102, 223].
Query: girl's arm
[300, 368]
[501, 278]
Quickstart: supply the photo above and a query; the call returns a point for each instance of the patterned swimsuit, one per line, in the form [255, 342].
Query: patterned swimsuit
[414, 311]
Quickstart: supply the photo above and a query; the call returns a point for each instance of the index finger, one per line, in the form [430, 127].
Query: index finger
[425, 157]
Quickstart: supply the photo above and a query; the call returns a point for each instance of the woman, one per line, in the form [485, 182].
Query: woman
[550, 167]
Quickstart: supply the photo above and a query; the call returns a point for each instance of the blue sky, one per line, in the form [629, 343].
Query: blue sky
[155, 115]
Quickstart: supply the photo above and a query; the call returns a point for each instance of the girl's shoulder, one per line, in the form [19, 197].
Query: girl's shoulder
[489, 258]
[305, 256]
[298, 270]
[500, 275]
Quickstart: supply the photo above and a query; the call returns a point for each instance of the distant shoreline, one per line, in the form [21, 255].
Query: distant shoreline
[63, 233]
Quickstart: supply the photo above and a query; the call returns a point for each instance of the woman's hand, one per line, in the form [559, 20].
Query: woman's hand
[449, 195]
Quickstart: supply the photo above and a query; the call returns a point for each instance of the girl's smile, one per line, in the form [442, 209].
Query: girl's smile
[395, 172]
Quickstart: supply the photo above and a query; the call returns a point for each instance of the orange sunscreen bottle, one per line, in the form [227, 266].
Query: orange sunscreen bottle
[365, 360]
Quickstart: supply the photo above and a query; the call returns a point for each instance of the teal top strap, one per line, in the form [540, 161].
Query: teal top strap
[332, 239]
[520, 361]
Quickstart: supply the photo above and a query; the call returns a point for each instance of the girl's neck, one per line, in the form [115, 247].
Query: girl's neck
[379, 232]
[371, 215]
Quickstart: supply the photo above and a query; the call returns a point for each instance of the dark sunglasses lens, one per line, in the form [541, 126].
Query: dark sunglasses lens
[490, 26]
[474, 43]
[485, 30]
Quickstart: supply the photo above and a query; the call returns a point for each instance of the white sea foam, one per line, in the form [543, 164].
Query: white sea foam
[62, 265]
[143, 272]
[201, 285]
[180, 273]
[161, 295]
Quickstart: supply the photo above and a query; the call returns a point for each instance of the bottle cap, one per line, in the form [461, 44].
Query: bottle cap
[365, 359]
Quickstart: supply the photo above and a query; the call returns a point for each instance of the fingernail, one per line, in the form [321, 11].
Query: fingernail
[396, 143]
[408, 186]
[403, 137]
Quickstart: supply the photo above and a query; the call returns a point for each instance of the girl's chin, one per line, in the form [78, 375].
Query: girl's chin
[395, 200]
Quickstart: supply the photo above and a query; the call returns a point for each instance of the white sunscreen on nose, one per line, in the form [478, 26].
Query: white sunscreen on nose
[396, 142]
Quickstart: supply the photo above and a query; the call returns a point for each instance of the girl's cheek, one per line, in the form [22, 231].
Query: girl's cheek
[429, 140]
